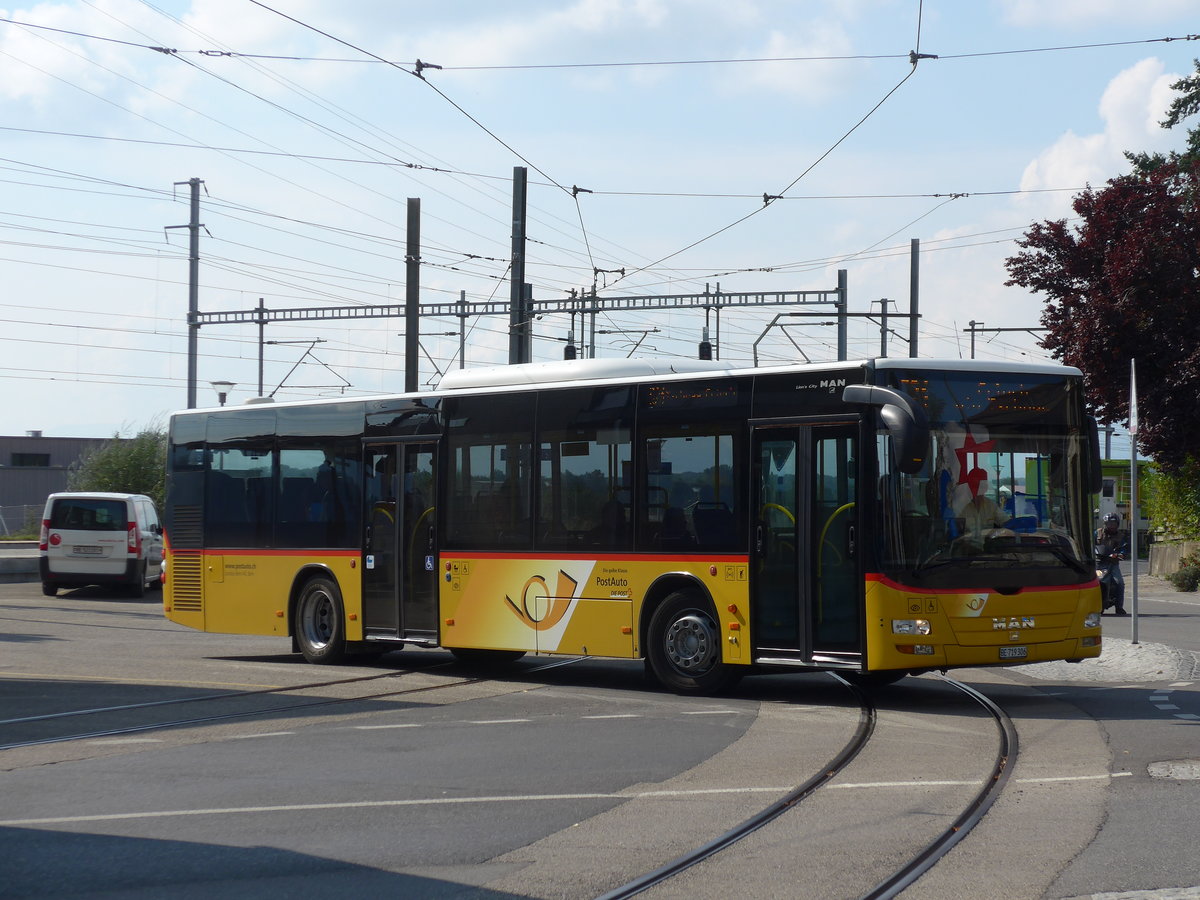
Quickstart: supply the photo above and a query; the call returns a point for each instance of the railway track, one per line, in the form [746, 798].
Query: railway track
[919, 862]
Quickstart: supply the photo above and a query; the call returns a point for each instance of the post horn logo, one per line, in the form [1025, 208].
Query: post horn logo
[538, 609]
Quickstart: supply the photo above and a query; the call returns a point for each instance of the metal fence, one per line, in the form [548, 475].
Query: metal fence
[20, 520]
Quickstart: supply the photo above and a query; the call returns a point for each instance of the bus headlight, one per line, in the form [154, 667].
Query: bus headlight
[910, 626]
[1091, 620]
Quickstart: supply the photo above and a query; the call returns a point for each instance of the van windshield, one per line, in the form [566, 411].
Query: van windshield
[88, 515]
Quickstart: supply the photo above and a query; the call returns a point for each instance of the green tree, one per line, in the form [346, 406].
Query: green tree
[134, 465]
[1186, 103]
[1172, 501]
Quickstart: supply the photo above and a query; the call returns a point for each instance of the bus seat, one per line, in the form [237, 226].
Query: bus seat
[295, 499]
[675, 533]
[714, 524]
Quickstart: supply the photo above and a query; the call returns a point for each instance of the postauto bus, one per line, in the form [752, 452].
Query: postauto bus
[873, 518]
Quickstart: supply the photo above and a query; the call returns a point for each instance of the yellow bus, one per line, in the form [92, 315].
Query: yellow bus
[874, 518]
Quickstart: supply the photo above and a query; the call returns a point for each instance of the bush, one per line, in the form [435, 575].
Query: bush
[1188, 576]
[134, 465]
[1187, 579]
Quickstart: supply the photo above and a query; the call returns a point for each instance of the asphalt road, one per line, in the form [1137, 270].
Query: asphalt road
[553, 780]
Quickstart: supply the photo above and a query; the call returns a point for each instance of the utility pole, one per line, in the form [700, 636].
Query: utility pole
[842, 342]
[193, 315]
[462, 329]
[412, 297]
[883, 328]
[262, 324]
[519, 329]
[914, 292]
[974, 326]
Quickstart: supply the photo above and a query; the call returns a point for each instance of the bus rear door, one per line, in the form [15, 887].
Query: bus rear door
[399, 551]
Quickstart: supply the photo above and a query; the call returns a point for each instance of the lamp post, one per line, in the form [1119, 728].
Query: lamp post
[223, 388]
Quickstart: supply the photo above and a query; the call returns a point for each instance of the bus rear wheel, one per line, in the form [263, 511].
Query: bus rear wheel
[684, 646]
[319, 624]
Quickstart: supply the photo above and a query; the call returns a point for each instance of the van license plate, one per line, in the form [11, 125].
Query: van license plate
[85, 550]
[1014, 652]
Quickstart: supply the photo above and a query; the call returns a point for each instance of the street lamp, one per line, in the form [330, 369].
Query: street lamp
[223, 388]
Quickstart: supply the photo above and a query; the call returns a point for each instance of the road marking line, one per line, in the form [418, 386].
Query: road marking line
[376, 727]
[515, 798]
[127, 741]
[616, 716]
[152, 682]
[496, 721]
[246, 737]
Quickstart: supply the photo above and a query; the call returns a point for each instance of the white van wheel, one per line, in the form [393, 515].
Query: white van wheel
[138, 588]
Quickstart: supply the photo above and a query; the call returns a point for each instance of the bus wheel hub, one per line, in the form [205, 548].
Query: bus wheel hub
[691, 643]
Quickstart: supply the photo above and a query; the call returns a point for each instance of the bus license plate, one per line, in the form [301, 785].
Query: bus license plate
[1014, 652]
[85, 550]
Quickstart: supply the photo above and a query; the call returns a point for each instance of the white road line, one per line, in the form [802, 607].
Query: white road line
[132, 740]
[516, 798]
[377, 727]
[616, 716]
[497, 721]
[1160, 699]
[712, 712]
[247, 737]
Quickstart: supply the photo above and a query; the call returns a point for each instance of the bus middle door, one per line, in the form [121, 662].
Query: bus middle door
[399, 551]
[806, 585]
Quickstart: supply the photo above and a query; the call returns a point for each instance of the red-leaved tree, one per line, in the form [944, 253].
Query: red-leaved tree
[1123, 284]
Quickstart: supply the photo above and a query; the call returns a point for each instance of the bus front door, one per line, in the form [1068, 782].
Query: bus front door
[399, 554]
[806, 591]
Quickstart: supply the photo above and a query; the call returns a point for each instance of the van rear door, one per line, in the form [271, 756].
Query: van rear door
[89, 536]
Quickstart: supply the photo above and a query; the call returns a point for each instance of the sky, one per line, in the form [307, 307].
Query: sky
[650, 130]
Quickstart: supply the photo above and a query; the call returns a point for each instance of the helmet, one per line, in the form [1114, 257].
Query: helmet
[1113, 517]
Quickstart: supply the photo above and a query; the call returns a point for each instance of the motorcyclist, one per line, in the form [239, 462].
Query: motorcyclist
[1111, 546]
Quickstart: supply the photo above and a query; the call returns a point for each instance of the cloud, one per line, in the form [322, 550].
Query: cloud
[1131, 107]
[811, 80]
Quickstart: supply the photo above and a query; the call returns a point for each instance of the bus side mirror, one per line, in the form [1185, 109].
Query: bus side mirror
[904, 420]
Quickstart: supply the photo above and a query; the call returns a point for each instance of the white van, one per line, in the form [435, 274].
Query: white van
[100, 538]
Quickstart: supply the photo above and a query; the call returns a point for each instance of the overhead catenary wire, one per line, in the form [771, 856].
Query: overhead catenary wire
[611, 64]
[586, 248]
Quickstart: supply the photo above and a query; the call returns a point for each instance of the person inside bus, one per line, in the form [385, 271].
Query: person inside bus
[611, 530]
[981, 518]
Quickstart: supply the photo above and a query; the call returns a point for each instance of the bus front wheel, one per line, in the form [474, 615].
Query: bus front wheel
[319, 627]
[684, 646]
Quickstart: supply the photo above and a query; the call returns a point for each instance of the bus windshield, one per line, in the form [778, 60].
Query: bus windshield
[1001, 501]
